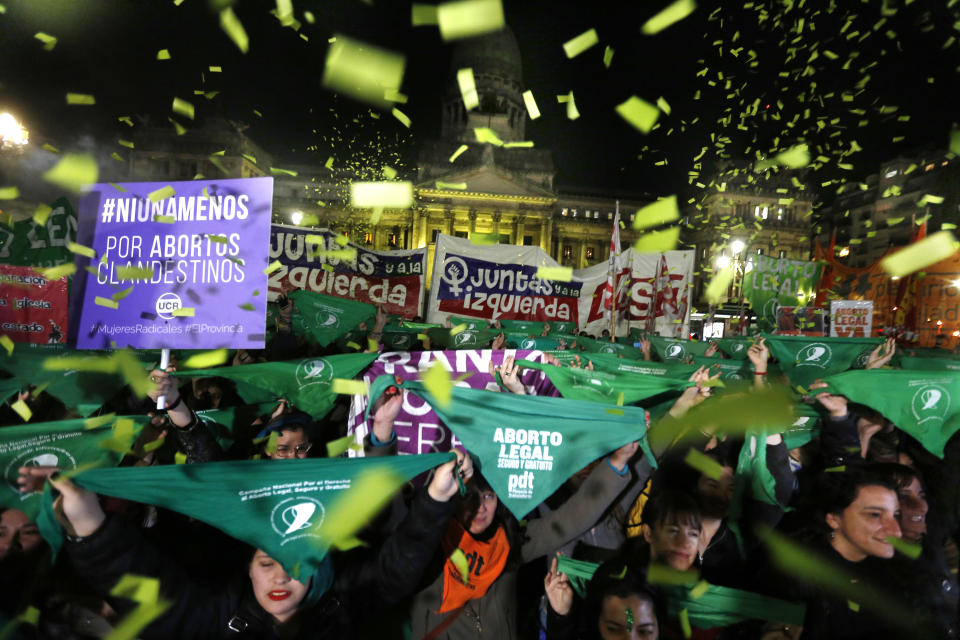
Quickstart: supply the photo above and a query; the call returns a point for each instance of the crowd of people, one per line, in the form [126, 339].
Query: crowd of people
[849, 535]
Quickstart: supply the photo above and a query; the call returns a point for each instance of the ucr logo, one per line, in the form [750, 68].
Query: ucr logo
[296, 514]
[930, 402]
[675, 351]
[167, 304]
[313, 371]
[816, 354]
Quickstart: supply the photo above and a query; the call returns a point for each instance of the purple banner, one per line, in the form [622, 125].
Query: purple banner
[178, 264]
[418, 428]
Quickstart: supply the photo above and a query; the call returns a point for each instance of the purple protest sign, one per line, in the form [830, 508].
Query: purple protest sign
[178, 264]
[418, 428]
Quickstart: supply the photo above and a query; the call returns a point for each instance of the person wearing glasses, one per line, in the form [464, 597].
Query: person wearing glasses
[294, 436]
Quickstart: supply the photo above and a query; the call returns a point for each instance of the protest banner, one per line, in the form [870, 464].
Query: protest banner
[33, 308]
[500, 283]
[177, 264]
[394, 280]
[418, 428]
[770, 283]
[28, 244]
[851, 318]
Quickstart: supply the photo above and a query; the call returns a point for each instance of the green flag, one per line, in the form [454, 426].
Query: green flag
[306, 383]
[471, 323]
[771, 283]
[523, 341]
[557, 326]
[401, 339]
[918, 402]
[805, 359]
[466, 339]
[30, 245]
[529, 327]
[615, 364]
[601, 386]
[736, 348]
[676, 349]
[929, 364]
[67, 444]
[528, 445]
[289, 509]
[326, 318]
[223, 422]
[605, 346]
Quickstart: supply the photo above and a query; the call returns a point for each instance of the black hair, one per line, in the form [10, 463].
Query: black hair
[672, 505]
[839, 490]
[621, 579]
[899, 474]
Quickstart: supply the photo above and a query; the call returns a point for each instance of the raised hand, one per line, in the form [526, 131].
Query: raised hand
[558, 589]
[836, 405]
[78, 510]
[759, 353]
[712, 349]
[880, 356]
[510, 375]
[444, 485]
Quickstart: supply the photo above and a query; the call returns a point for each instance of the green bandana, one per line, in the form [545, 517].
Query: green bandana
[715, 607]
[600, 386]
[605, 346]
[523, 341]
[924, 404]
[729, 369]
[929, 364]
[67, 444]
[283, 507]
[562, 327]
[615, 364]
[529, 327]
[736, 348]
[527, 445]
[472, 323]
[401, 339]
[675, 349]
[466, 339]
[805, 359]
[326, 318]
[307, 383]
[420, 326]
[223, 422]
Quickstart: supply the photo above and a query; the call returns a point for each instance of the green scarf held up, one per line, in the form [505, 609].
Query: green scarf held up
[528, 445]
[66, 444]
[805, 359]
[717, 607]
[465, 339]
[929, 364]
[292, 509]
[925, 404]
[615, 364]
[675, 349]
[306, 383]
[539, 343]
[605, 346]
[327, 318]
[473, 324]
[528, 327]
[601, 386]
[401, 339]
[736, 348]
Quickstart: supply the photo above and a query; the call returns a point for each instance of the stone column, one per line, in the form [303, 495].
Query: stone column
[414, 239]
[449, 216]
[518, 230]
[496, 224]
[546, 233]
[581, 254]
[472, 214]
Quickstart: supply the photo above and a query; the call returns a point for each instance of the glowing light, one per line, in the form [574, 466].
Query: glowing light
[12, 133]
[939, 323]
[736, 246]
[956, 283]
[722, 262]
[296, 217]
[956, 334]
[894, 277]
[844, 252]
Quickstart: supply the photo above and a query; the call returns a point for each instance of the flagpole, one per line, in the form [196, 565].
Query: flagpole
[613, 289]
[164, 363]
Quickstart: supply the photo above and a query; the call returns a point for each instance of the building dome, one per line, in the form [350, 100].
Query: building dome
[494, 53]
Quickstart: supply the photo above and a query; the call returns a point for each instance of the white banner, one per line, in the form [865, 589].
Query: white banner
[499, 282]
[851, 318]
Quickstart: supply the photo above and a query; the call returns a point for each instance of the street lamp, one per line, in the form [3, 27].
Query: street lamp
[296, 217]
[12, 133]
[723, 262]
[736, 246]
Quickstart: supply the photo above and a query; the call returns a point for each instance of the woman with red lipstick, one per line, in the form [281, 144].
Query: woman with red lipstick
[268, 603]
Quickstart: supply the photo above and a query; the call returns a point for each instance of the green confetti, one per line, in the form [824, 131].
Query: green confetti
[401, 116]
[466, 18]
[468, 88]
[7, 343]
[436, 379]
[423, 14]
[576, 46]
[658, 241]
[73, 172]
[559, 274]
[22, 410]
[917, 256]
[907, 548]
[109, 303]
[607, 57]
[719, 284]
[163, 54]
[161, 194]
[704, 464]
[532, 110]
[231, 25]
[55, 273]
[662, 574]
[183, 312]
[657, 213]
[381, 194]
[639, 113]
[206, 359]
[674, 13]
[487, 136]
[81, 99]
[460, 150]
[459, 560]
[9, 193]
[49, 42]
[337, 447]
[349, 387]
[362, 71]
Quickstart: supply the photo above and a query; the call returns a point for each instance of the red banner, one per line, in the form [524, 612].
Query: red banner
[32, 307]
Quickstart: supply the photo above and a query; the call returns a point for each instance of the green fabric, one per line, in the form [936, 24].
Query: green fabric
[557, 326]
[736, 348]
[280, 507]
[729, 369]
[928, 352]
[675, 349]
[306, 383]
[925, 404]
[466, 339]
[401, 339]
[774, 283]
[529, 327]
[523, 341]
[223, 422]
[472, 323]
[615, 364]
[929, 364]
[804, 359]
[327, 318]
[67, 444]
[717, 607]
[805, 428]
[27, 244]
[601, 386]
[419, 326]
[76, 388]
[528, 445]
[605, 346]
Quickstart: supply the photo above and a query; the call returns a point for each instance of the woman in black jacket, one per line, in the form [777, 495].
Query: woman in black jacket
[270, 604]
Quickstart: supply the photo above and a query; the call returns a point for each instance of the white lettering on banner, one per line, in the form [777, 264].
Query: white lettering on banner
[213, 208]
[174, 259]
[502, 304]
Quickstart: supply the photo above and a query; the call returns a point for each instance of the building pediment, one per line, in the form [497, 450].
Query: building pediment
[484, 181]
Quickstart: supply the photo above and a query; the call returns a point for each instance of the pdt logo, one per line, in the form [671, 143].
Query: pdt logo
[167, 304]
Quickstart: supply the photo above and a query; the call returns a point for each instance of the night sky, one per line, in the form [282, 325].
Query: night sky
[108, 48]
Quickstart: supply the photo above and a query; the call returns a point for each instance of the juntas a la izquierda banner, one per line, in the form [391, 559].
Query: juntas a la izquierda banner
[202, 248]
[499, 282]
[33, 308]
[391, 279]
[418, 428]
